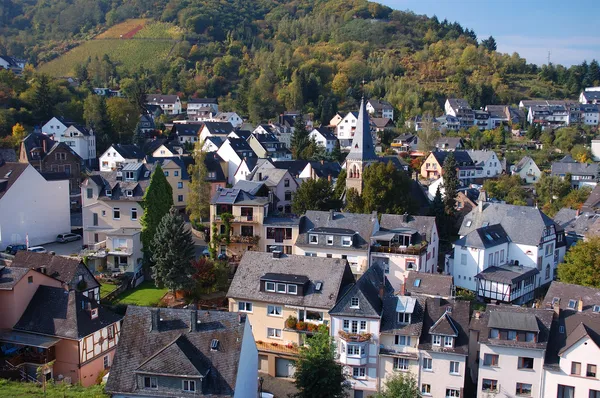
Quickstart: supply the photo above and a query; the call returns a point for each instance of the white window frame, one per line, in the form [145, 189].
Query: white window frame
[448, 341]
[361, 324]
[329, 240]
[344, 323]
[278, 285]
[346, 241]
[275, 333]
[427, 364]
[315, 237]
[454, 367]
[359, 373]
[267, 287]
[116, 209]
[292, 287]
[436, 340]
[189, 388]
[243, 306]
[272, 310]
[134, 215]
[354, 300]
[151, 384]
[404, 361]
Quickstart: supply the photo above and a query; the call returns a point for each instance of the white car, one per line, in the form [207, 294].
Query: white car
[37, 249]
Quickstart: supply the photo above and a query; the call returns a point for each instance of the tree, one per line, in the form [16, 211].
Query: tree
[43, 100]
[209, 276]
[581, 265]
[318, 375]
[96, 117]
[123, 116]
[18, 133]
[428, 135]
[507, 188]
[139, 136]
[386, 189]
[172, 253]
[157, 202]
[550, 190]
[400, 386]
[336, 153]
[354, 202]
[489, 44]
[450, 183]
[314, 194]
[340, 185]
[300, 138]
[198, 206]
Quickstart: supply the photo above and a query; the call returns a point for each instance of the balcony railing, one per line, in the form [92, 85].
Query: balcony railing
[244, 239]
[252, 219]
[413, 250]
[120, 251]
[32, 357]
[355, 337]
[405, 352]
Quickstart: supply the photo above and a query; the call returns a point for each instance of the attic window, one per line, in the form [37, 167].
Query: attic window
[596, 308]
[572, 304]
[555, 300]
[129, 175]
[346, 241]
[417, 283]
[313, 239]
[468, 224]
[146, 174]
[129, 193]
[94, 313]
[318, 286]
[109, 192]
[354, 302]
[214, 345]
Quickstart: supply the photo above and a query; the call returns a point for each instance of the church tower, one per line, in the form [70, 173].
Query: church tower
[362, 152]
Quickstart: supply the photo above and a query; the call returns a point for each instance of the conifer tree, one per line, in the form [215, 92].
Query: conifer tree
[450, 184]
[199, 193]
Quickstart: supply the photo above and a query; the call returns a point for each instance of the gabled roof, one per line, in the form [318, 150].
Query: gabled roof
[588, 169]
[10, 276]
[109, 180]
[444, 326]
[161, 98]
[333, 273]
[382, 122]
[447, 318]
[44, 145]
[523, 162]
[484, 237]
[231, 196]
[202, 101]
[326, 133]
[219, 128]
[514, 321]
[295, 167]
[379, 104]
[252, 187]
[576, 222]
[362, 142]
[458, 103]
[81, 128]
[9, 174]
[423, 225]
[178, 348]
[324, 169]
[186, 129]
[212, 161]
[461, 157]
[429, 284]
[592, 203]
[53, 311]
[362, 224]
[590, 296]
[271, 177]
[568, 329]
[128, 151]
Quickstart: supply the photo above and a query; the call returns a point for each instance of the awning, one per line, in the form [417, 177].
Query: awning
[27, 339]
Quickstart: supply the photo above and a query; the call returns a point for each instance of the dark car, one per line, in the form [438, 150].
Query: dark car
[13, 249]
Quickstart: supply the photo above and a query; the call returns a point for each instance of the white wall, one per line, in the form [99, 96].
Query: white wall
[247, 377]
[35, 207]
[233, 160]
[439, 377]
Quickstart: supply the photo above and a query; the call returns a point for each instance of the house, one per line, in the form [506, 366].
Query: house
[488, 161]
[248, 212]
[460, 109]
[577, 224]
[346, 128]
[280, 234]
[180, 352]
[355, 325]
[586, 114]
[186, 132]
[547, 113]
[527, 170]
[51, 157]
[107, 92]
[405, 243]
[68, 330]
[405, 143]
[499, 115]
[146, 124]
[281, 184]
[233, 151]
[247, 167]
[170, 104]
[212, 144]
[268, 146]
[590, 95]
[337, 235]
[571, 362]
[507, 349]
[22, 216]
[13, 64]
[582, 174]
[112, 208]
[229, 117]
[269, 288]
[443, 123]
[81, 139]
[70, 271]
[214, 172]
[450, 144]
[380, 109]
[592, 204]
[382, 123]
[505, 252]
[202, 108]
[211, 129]
[432, 167]
[176, 172]
[163, 148]
[56, 126]
[118, 155]
[335, 120]
[324, 137]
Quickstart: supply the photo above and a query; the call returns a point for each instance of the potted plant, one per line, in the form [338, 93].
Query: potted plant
[311, 327]
[274, 344]
[259, 342]
[301, 325]
[291, 322]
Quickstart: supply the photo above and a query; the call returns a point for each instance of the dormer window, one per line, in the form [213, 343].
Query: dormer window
[292, 289]
[129, 193]
[281, 288]
[313, 239]
[596, 308]
[436, 340]
[448, 341]
[129, 175]
[329, 240]
[109, 192]
[572, 304]
[403, 317]
[354, 303]
[270, 286]
[346, 241]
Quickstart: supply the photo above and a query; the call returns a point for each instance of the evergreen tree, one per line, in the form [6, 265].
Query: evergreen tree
[314, 194]
[172, 254]
[300, 137]
[450, 184]
[437, 210]
[43, 100]
[199, 194]
[489, 43]
[336, 153]
[96, 117]
[318, 374]
[157, 202]
[594, 73]
[340, 185]
[139, 136]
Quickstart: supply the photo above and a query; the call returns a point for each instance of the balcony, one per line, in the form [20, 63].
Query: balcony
[398, 351]
[250, 219]
[27, 356]
[356, 360]
[120, 251]
[280, 348]
[253, 240]
[411, 250]
[96, 250]
[354, 337]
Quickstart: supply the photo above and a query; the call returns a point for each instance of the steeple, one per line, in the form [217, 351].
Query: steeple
[362, 142]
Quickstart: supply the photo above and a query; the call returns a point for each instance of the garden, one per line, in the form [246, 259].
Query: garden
[14, 389]
[145, 295]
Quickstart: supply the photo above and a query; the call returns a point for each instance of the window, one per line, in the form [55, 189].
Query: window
[448, 341]
[166, 173]
[286, 182]
[354, 327]
[180, 198]
[512, 335]
[273, 333]
[95, 219]
[244, 306]
[565, 391]
[346, 241]
[274, 310]
[403, 317]
[452, 393]
[501, 256]
[489, 385]
[106, 360]
[490, 360]
[330, 240]
[523, 389]
[116, 213]
[292, 289]
[491, 259]
[401, 364]
[176, 173]
[572, 304]
[426, 389]
[270, 286]
[402, 340]
[30, 279]
[525, 363]
[188, 385]
[180, 185]
[111, 332]
[363, 326]
[359, 373]
[594, 394]
[346, 325]
[549, 250]
[436, 340]
[354, 302]
[313, 239]
[427, 364]
[591, 370]
[355, 350]
[463, 259]
[109, 192]
[547, 271]
[576, 368]
[454, 367]
[150, 382]
[90, 193]
[134, 214]
[281, 288]
[287, 196]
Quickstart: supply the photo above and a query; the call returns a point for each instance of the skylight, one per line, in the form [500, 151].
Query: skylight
[596, 308]
[417, 283]
[572, 304]
[214, 345]
[469, 223]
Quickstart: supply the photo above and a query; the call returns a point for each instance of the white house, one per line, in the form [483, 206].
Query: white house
[212, 129]
[81, 139]
[170, 104]
[118, 155]
[56, 126]
[30, 206]
[345, 129]
[202, 108]
[506, 252]
[590, 95]
[460, 109]
[527, 170]
[324, 137]
[233, 152]
[488, 161]
[380, 109]
[596, 150]
[229, 117]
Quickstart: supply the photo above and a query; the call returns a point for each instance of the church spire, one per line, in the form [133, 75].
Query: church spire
[362, 143]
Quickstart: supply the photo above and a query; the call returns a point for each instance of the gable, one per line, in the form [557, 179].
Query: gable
[585, 346]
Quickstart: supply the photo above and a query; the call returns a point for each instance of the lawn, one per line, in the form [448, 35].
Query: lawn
[14, 389]
[146, 295]
[106, 288]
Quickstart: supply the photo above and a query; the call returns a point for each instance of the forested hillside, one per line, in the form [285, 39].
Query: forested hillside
[261, 57]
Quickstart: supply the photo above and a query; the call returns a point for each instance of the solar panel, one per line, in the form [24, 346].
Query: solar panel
[214, 345]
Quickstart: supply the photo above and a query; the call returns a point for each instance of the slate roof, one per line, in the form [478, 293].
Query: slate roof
[219, 128]
[524, 161]
[423, 225]
[389, 320]
[362, 142]
[429, 284]
[522, 224]
[592, 203]
[380, 104]
[212, 161]
[244, 134]
[326, 133]
[461, 157]
[324, 169]
[186, 129]
[252, 187]
[176, 349]
[272, 177]
[457, 103]
[362, 224]
[382, 122]
[591, 95]
[8, 155]
[108, 180]
[367, 289]
[590, 296]
[295, 167]
[46, 145]
[9, 174]
[216, 140]
[10, 276]
[577, 325]
[543, 319]
[564, 168]
[484, 237]
[509, 274]
[497, 111]
[480, 156]
[241, 145]
[56, 312]
[514, 321]
[129, 151]
[576, 223]
[61, 268]
[437, 320]
[236, 196]
[334, 274]
[202, 101]
[161, 98]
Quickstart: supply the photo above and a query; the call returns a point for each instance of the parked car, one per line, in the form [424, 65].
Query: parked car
[64, 238]
[205, 253]
[37, 249]
[13, 249]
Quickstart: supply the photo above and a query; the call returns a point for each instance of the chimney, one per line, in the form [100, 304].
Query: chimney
[381, 290]
[155, 317]
[329, 178]
[405, 217]
[276, 254]
[577, 212]
[44, 144]
[556, 308]
[403, 288]
[331, 215]
[193, 320]
[480, 206]
[241, 318]
[580, 305]
[436, 301]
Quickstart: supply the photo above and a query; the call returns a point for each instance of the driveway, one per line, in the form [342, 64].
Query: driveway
[64, 249]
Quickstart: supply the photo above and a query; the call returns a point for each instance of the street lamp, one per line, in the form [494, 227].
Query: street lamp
[260, 384]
